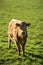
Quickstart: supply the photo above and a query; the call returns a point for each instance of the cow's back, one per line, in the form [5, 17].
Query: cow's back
[12, 28]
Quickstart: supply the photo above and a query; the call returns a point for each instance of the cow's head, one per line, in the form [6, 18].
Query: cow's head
[22, 29]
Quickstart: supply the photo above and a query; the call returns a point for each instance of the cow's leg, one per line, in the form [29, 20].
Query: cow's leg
[9, 42]
[23, 49]
[18, 46]
[23, 46]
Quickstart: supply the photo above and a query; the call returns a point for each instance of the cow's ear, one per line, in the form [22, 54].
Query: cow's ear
[17, 24]
[28, 24]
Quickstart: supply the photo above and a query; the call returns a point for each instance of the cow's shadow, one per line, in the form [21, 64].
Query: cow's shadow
[21, 59]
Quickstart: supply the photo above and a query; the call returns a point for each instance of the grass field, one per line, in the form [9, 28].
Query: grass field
[29, 11]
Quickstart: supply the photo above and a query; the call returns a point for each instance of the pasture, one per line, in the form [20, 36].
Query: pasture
[29, 11]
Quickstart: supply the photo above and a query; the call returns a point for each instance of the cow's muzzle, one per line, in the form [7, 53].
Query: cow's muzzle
[23, 33]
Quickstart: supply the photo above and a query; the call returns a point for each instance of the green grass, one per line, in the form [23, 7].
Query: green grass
[29, 11]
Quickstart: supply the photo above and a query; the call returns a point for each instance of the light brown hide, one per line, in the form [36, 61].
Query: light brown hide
[17, 32]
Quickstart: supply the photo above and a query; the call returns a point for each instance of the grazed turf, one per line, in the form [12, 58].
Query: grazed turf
[29, 11]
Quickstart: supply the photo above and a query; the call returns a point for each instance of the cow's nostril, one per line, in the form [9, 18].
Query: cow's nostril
[23, 33]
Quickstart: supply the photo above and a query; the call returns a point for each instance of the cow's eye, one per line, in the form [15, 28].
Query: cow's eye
[17, 24]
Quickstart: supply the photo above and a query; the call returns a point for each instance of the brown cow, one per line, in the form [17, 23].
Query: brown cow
[17, 32]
